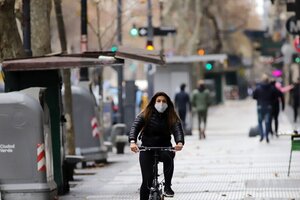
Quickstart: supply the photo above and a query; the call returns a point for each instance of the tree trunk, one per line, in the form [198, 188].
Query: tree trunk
[67, 82]
[218, 41]
[193, 42]
[10, 40]
[40, 27]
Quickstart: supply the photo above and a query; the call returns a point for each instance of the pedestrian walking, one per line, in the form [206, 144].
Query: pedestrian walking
[283, 89]
[264, 94]
[182, 104]
[279, 98]
[200, 103]
[114, 110]
[144, 101]
[296, 98]
[154, 126]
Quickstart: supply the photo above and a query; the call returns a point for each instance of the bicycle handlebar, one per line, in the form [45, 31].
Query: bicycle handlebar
[143, 148]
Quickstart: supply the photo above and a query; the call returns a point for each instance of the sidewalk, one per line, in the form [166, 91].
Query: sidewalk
[227, 165]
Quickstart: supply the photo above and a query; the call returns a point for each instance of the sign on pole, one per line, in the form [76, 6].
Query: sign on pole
[157, 31]
[293, 25]
[297, 44]
[143, 31]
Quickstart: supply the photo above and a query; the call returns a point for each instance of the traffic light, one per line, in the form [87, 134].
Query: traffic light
[114, 48]
[209, 66]
[296, 58]
[149, 45]
[134, 31]
[201, 52]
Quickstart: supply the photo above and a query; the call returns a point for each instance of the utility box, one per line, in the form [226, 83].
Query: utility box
[86, 126]
[25, 150]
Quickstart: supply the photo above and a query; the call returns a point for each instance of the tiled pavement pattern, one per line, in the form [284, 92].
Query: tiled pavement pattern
[227, 165]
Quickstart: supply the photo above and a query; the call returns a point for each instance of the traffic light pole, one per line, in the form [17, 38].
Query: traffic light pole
[119, 26]
[84, 74]
[161, 7]
[150, 77]
[150, 26]
[120, 68]
[83, 39]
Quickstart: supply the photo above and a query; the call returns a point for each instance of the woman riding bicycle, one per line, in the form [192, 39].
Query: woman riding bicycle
[155, 124]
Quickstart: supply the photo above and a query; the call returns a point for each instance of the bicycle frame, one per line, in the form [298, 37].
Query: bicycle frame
[156, 188]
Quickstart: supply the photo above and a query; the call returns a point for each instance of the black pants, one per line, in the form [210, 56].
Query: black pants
[147, 162]
[275, 114]
[295, 107]
[182, 115]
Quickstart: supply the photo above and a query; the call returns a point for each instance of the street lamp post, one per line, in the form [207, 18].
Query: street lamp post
[119, 69]
[150, 77]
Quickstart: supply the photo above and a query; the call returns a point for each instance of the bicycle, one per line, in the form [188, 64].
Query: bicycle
[156, 191]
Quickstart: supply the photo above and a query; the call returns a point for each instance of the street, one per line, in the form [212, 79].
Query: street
[226, 165]
[74, 75]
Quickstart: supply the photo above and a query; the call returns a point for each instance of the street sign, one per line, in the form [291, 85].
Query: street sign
[297, 44]
[143, 31]
[293, 25]
[164, 31]
[158, 31]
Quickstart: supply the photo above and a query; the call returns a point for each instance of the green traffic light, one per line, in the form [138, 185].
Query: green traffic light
[208, 66]
[134, 32]
[297, 60]
[114, 48]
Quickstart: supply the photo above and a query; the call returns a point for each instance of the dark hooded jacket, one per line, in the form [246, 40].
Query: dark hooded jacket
[156, 131]
[265, 94]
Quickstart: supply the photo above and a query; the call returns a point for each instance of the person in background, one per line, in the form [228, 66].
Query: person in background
[114, 109]
[155, 125]
[296, 98]
[144, 101]
[283, 89]
[276, 108]
[200, 103]
[264, 94]
[182, 103]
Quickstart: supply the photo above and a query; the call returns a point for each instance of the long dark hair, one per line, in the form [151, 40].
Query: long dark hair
[170, 111]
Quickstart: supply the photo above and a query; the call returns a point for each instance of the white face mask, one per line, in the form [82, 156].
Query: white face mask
[161, 107]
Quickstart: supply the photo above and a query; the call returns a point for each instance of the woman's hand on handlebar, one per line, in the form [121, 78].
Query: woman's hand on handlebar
[134, 147]
[178, 147]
